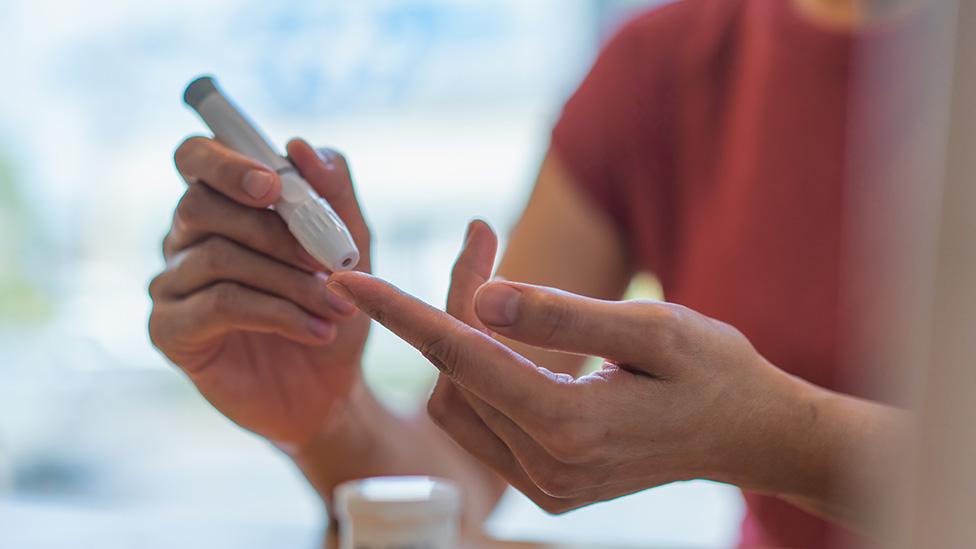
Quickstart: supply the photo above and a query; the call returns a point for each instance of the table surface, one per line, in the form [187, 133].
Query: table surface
[487, 543]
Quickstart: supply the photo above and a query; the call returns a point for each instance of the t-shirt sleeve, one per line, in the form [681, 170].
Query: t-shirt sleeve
[610, 135]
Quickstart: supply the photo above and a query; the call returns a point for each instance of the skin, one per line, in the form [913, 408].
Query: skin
[240, 309]
[851, 14]
[246, 314]
[720, 410]
[239, 297]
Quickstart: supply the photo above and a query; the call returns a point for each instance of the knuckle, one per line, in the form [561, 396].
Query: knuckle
[444, 353]
[668, 322]
[376, 311]
[166, 246]
[215, 255]
[268, 232]
[154, 287]
[154, 330]
[191, 211]
[437, 406]
[227, 170]
[158, 328]
[186, 149]
[657, 322]
[556, 316]
[223, 298]
[670, 313]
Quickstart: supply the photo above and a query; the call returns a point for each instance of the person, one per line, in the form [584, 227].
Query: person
[706, 145]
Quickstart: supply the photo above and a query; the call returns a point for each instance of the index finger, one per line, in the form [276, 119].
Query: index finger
[471, 359]
[242, 179]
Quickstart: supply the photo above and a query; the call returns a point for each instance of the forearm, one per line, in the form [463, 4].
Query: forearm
[834, 455]
[863, 447]
[366, 440]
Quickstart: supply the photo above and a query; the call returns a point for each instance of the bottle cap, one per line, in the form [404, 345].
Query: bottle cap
[398, 498]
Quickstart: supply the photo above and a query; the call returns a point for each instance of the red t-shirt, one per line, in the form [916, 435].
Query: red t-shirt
[713, 132]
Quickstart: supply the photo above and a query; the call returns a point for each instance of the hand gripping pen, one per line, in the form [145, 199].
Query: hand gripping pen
[308, 216]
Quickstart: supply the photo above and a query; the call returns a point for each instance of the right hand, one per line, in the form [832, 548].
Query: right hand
[243, 309]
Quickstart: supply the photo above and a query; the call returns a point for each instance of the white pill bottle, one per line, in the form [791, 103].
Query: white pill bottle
[398, 513]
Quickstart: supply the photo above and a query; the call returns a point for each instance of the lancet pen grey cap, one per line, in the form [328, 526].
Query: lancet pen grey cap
[309, 217]
[198, 90]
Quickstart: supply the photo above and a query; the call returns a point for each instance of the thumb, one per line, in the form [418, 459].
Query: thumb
[558, 320]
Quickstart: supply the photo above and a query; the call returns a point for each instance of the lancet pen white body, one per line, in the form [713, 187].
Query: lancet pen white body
[308, 216]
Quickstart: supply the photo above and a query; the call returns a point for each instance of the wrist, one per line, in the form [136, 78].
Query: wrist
[349, 444]
[829, 453]
[344, 418]
[779, 442]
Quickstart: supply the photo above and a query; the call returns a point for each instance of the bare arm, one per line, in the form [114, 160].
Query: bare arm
[683, 397]
[272, 308]
[840, 457]
[789, 438]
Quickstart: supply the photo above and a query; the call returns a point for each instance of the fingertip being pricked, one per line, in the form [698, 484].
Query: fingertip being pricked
[342, 304]
[347, 278]
[340, 291]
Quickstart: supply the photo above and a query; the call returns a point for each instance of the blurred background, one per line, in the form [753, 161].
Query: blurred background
[102, 443]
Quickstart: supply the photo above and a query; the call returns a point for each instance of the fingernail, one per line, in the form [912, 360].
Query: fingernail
[498, 304]
[320, 328]
[327, 158]
[340, 291]
[336, 301]
[257, 183]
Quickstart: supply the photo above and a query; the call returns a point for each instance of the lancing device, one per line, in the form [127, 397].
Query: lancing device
[308, 216]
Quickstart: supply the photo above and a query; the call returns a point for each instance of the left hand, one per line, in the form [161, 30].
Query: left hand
[680, 396]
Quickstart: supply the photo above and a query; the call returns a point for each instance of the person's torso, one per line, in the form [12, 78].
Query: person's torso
[758, 171]
[755, 210]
